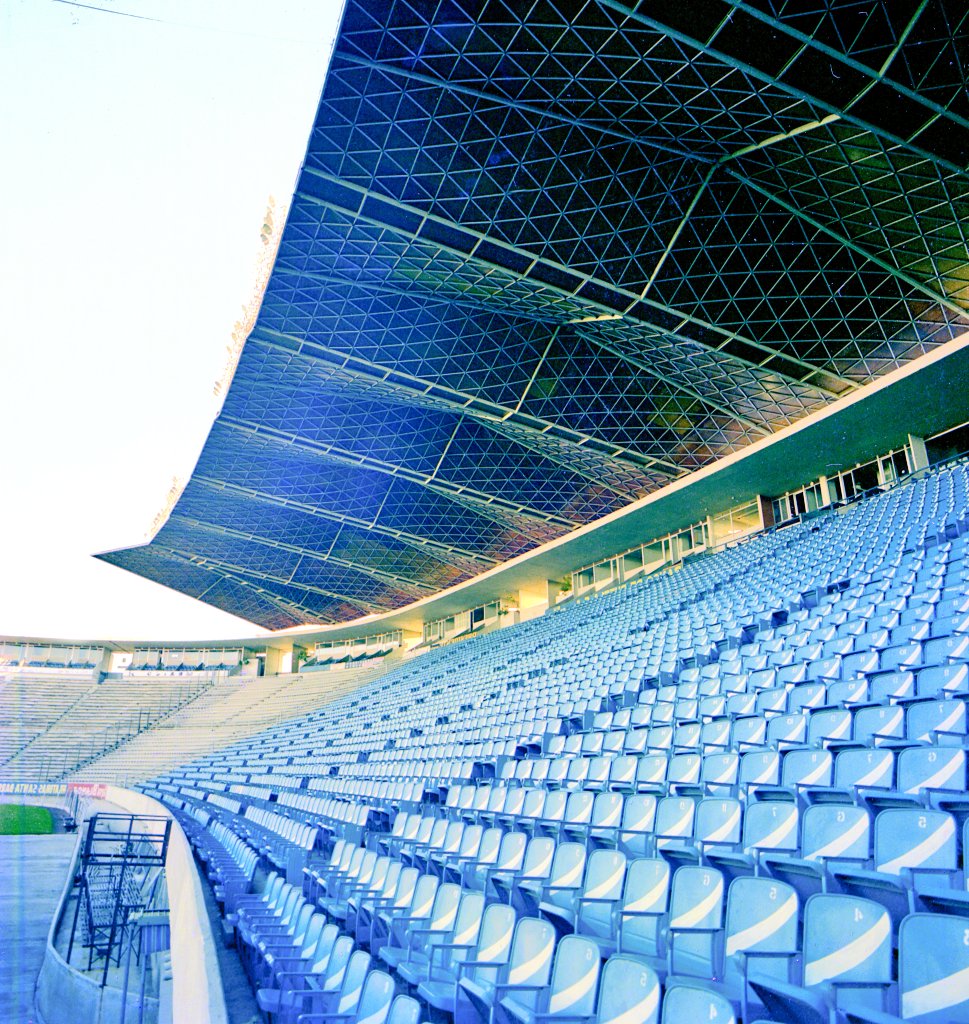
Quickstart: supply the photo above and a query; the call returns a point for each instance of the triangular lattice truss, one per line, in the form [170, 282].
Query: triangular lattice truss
[544, 258]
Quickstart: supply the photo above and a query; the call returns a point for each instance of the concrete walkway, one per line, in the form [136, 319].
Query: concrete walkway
[33, 870]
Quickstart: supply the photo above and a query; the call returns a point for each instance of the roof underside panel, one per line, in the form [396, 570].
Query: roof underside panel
[545, 258]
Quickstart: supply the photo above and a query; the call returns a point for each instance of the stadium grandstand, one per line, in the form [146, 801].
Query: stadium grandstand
[599, 463]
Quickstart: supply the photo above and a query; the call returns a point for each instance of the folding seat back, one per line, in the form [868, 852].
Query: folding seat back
[933, 963]
[606, 817]
[872, 768]
[537, 862]
[847, 940]
[511, 852]
[598, 774]
[695, 915]
[933, 721]
[470, 919]
[451, 840]
[938, 679]
[528, 968]
[787, 729]
[829, 725]
[748, 731]
[417, 911]
[514, 805]
[860, 664]
[645, 901]
[853, 691]
[903, 656]
[759, 768]
[919, 842]
[636, 738]
[352, 984]
[622, 773]
[601, 892]
[892, 685]
[807, 768]
[685, 1002]
[319, 956]
[638, 819]
[660, 736]
[577, 773]
[571, 992]
[761, 923]
[376, 997]
[836, 834]
[558, 771]
[578, 808]
[565, 875]
[718, 822]
[805, 696]
[771, 702]
[496, 802]
[684, 769]
[876, 723]
[719, 772]
[591, 744]
[674, 820]
[628, 992]
[942, 649]
[403, 1010]
[828, 669]
[931, 768]
[534, 804]
[770, 825]
[553, 812]
[403, 893]
[479, 803]
[715, 734]
[651, 770]
[540, 770]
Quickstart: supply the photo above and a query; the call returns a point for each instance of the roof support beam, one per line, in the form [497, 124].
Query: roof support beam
[488, 505]
[735, 57]
[319, 556]
[842, 239]
[506, 101]
[724, 410]
[298, 611]
[481, 409]
[445, 552]
[241, 571]
[625, 301]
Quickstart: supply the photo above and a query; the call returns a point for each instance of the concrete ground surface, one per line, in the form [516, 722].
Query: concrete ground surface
[33, 870]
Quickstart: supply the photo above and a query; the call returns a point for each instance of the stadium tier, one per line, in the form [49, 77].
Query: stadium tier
[735, 791]
[595, 459]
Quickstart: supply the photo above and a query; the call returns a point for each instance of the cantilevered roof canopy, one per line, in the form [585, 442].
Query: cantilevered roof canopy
[543, 259]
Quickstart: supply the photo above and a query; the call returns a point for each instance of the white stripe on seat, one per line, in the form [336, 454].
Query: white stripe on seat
[921, 853]
[938, 780]
[648, 898]
[606, 884]
[773, 839]
[841, 843]
[937, 995]
[696, 913]
[726, 828]
[570, 995]
[847, 958]
[750, 937]
[520, 973]
[643, 1010]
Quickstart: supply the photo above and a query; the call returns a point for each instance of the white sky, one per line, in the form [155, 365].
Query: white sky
[138, 159]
